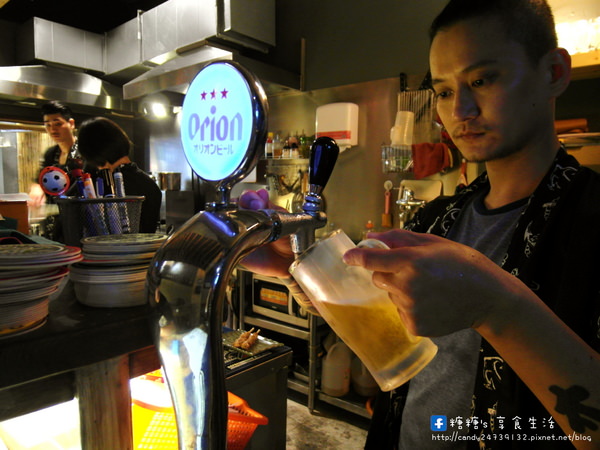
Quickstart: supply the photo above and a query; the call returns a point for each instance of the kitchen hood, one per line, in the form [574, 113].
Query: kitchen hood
[162, 49]
[177, 74]
[42, 82]
[202, 33]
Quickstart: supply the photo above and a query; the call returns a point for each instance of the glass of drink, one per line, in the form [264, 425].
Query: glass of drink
[360, 313]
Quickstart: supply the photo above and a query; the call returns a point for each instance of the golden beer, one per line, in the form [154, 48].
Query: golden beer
[360, 313]
[375, 333]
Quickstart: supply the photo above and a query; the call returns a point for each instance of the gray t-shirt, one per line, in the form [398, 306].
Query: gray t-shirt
[445, 386]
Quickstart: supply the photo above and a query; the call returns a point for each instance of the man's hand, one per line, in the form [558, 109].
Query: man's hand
[37, 197]
[439, 286]
[273, 259]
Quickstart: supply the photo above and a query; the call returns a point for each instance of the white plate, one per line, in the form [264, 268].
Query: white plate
[109, 272]
[9, 332]
[27, 278]
[123, 243]
[16, 315]
[113, 262]
[105, 279]
[44, 265]
[103, 295]
[32, 285]
[125, 239]
[82, 267]
[25, 296]
[121, 256]
[36, 252]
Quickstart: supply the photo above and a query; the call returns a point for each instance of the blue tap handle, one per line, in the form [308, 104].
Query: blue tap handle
[323, 155]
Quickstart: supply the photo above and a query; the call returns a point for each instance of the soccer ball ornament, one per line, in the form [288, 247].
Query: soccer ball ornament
[54, 180]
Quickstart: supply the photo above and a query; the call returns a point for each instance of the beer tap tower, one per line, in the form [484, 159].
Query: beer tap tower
[223, 131]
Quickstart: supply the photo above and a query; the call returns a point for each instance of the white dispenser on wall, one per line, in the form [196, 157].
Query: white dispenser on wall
[338, 121]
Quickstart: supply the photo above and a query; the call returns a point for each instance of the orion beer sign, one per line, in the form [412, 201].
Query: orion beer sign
[216, 121]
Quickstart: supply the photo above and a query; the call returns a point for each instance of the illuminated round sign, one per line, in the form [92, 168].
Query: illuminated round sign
[218, 121]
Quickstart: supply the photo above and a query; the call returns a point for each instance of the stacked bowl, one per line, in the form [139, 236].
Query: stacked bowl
[113, 270]
[31, 275]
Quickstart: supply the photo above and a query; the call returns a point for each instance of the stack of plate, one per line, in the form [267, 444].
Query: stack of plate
[113, 270]
[30, 276]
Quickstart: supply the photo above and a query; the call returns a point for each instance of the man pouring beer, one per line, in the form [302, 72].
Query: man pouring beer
[498, 275]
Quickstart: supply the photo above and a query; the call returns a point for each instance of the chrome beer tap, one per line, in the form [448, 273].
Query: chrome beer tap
[187, 283]
[408, 206]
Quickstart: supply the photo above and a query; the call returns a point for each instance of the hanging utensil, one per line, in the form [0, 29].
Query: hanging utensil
[386, 217]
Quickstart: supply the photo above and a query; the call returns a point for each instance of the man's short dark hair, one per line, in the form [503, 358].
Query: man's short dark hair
[56, 107]
[528, 22]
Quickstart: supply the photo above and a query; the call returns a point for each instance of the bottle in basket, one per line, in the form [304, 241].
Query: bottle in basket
[95, 224]
[120, 192]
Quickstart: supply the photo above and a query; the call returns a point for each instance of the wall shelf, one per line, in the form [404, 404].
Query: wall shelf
[312, 335]
[585, 65]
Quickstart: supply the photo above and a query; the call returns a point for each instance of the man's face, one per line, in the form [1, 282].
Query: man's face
[59, 129]
[490, 97]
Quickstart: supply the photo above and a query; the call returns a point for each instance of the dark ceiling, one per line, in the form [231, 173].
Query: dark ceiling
[96, 16]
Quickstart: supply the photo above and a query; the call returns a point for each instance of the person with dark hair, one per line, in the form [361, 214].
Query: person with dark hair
[60, 125]
[507, 289]
[105, 145]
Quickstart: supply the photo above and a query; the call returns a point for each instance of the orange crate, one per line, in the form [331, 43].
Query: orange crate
[154, 426]
[242, 422]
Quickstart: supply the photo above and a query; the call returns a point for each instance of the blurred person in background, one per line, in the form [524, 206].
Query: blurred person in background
[104, 145]
[60, 126]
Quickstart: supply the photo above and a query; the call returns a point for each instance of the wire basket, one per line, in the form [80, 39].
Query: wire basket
[82, 218]
[396, 158]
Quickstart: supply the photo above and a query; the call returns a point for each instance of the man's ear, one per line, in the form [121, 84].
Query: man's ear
[559, 67]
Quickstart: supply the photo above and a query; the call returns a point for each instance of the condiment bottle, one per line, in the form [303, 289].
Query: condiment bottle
[368, 228]
[269, 146]
[277, 146]
[286, 153]
[88, 186]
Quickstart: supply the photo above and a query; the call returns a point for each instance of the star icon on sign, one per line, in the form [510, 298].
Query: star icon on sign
[203, 95]
[224, 93]
[213, 94]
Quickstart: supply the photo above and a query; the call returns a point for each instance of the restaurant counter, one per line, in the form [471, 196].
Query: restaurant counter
[91, 353]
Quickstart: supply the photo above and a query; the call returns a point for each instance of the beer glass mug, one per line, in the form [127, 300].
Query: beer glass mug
[360, 313]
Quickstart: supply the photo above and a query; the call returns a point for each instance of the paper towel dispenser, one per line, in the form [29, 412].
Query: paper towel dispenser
[338, 121]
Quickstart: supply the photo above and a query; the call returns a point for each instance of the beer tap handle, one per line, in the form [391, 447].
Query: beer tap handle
[300, 227]
[323, 155]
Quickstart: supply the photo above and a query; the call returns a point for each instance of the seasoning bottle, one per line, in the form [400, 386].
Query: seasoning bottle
[304, 146]
[269, 146]
[109, 182]
[277, 146]
[88, 186]
[368, 228]
[294, 152]
[123, 213]
[286, 149]
[119, 185]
